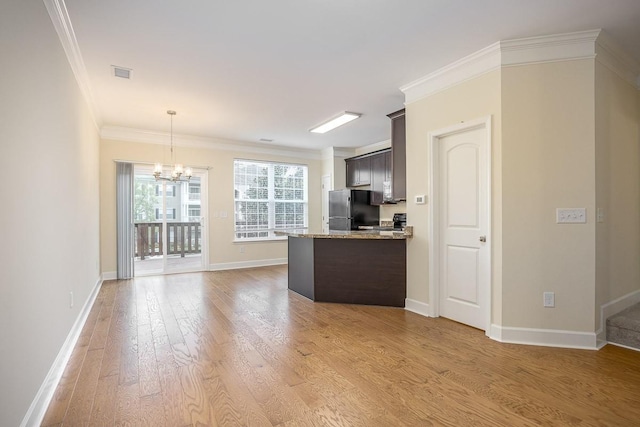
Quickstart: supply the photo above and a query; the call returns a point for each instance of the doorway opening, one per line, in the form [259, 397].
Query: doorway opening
[169, 223]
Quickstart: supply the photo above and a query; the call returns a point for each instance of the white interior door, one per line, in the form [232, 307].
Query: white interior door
[462, 226]
[326, 187]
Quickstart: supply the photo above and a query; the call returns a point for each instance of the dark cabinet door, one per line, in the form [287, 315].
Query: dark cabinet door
[358, 171]
[399, 155]
[380, 172]
[352, 172]
[364, 171]
[388, 175]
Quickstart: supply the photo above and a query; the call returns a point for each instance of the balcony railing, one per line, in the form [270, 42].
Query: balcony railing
[182, 238]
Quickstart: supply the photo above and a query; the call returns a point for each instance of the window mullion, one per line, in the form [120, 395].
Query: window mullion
[272, 196]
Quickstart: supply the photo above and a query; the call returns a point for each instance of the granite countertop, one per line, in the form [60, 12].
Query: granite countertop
[353, 234]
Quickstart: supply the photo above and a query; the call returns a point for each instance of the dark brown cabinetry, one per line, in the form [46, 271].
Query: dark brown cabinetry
[349, 271]
[398, 155]
[358, 171]
[385, 170]
[380, 176]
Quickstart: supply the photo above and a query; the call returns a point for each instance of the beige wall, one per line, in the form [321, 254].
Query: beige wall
[470, 100]
[339, 172]
[617, 187]
[548, 162]
[387, 211]
[565, 134]
[544, 157]
[328, 164]
[223, 252]
[50, 224]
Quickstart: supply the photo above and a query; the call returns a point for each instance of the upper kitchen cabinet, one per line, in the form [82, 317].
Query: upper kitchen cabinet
[358, 171]
[398, 155]
[381, 177]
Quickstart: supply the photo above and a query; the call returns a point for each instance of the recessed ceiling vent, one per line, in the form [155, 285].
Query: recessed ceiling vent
[123, 73]
[266, 140]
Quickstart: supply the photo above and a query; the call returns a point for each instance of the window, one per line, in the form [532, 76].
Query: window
[171, 213]
[268, 197]
[194, 191]
[194, 213]
[171, 190]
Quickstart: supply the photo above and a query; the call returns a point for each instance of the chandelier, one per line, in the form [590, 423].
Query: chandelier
[178, 169]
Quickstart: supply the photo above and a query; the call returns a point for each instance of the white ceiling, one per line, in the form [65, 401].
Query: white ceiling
[252, 69]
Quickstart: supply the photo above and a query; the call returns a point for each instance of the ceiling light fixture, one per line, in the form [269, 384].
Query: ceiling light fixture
[341, 119]
[178, 169]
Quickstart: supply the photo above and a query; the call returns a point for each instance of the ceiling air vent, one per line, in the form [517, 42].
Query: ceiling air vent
[266, 140]
[124, 73]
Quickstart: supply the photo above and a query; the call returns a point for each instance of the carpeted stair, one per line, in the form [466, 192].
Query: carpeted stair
[624, 327]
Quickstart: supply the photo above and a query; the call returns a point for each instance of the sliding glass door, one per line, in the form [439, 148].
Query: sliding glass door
[168, 223]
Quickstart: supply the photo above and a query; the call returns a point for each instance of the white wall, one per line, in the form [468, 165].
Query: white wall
[50, 218]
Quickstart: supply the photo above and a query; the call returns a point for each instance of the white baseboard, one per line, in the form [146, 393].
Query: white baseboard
[247, 264]
[38, 408]
[417, 307]
[110, 275]
[544, 337]
[614, 307]
[623, 346]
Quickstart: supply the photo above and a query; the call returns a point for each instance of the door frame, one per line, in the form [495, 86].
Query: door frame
[433, 242]
[203, 174]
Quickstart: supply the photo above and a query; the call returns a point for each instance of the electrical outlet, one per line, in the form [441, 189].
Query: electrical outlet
[571, 215]
[241, 249]
[549, 299]
[599, 215]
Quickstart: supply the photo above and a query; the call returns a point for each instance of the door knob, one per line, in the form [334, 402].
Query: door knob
[483, 239]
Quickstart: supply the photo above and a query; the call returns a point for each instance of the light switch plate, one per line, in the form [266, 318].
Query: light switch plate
[549, 299]
[571, 215]
[421, 199]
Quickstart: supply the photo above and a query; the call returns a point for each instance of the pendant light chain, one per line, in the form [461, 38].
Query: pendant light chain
[178, 170]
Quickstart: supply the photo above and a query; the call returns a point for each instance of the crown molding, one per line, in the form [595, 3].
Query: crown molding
[525, 51]
[116, 133]
[331, 153]
[467, 68]
[552, 48]
[373, 147]
[344, 153]
[612, 56]
[62, 23]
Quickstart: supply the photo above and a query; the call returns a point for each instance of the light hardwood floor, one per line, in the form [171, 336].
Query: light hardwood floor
[236, 348]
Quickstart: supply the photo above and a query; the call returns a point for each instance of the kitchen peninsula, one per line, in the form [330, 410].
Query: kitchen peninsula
[354, 267]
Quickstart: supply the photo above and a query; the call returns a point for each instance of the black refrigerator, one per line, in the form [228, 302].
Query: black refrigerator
[349, 209]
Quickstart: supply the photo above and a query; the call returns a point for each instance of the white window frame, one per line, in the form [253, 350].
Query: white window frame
[271, 201]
